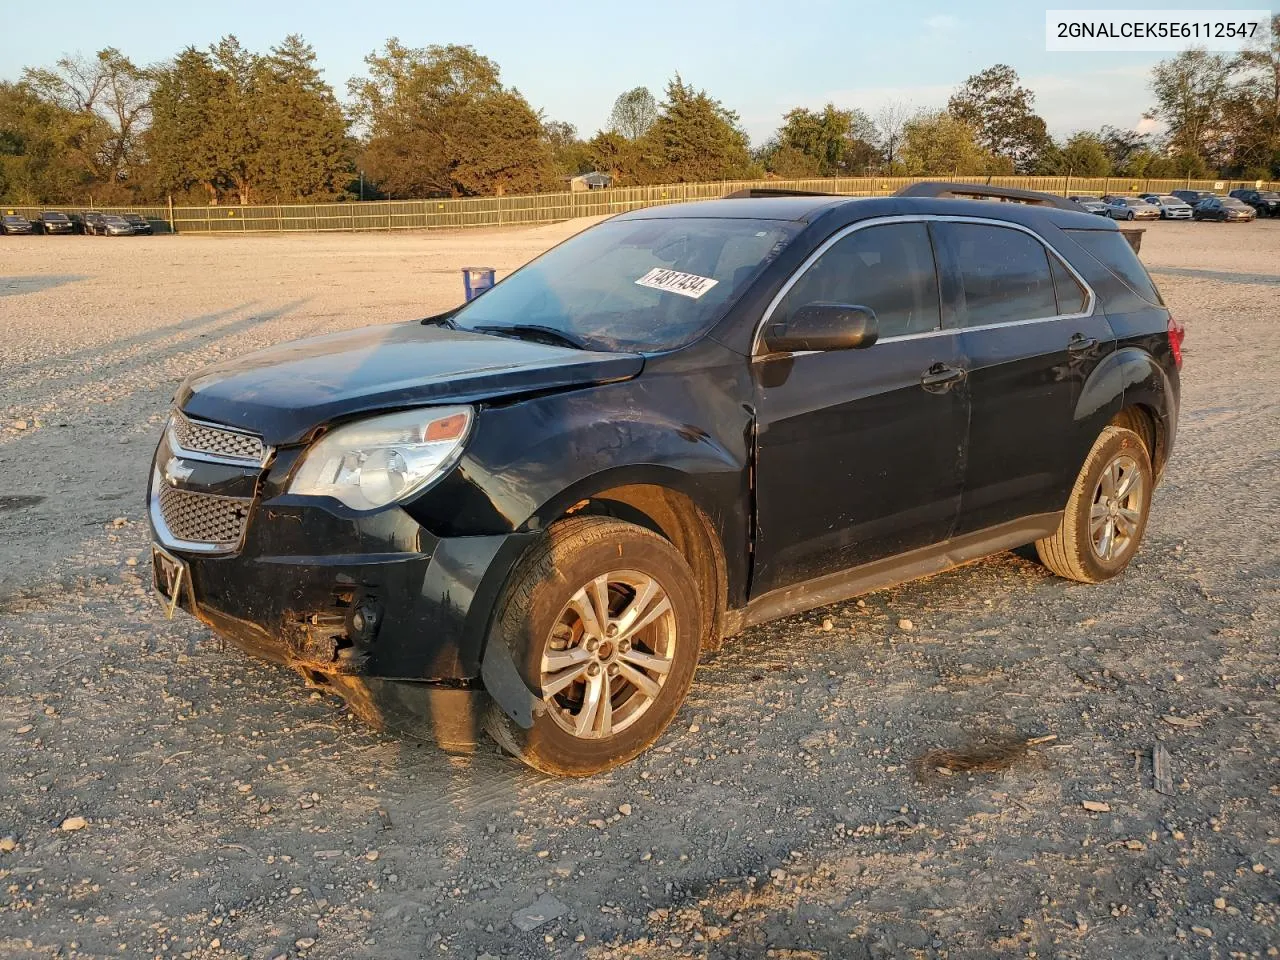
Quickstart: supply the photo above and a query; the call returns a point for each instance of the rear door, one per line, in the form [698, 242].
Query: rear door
[1029, 337]
[859, 453]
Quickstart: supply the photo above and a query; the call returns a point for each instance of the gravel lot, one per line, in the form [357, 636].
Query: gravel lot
[228, 811]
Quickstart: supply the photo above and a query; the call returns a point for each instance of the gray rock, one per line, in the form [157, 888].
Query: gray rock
[543, 910]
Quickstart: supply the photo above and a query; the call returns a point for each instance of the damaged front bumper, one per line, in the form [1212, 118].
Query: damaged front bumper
[370, 605]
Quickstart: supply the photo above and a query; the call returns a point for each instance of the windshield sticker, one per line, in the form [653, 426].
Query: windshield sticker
[673, 281]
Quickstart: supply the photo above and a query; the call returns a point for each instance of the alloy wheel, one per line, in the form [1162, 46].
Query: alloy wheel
[1116, 516]
[608, 654]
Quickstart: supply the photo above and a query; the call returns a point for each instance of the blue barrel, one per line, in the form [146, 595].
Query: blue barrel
[476, 280]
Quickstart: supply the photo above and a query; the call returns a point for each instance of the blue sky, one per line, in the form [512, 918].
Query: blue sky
[571, 60]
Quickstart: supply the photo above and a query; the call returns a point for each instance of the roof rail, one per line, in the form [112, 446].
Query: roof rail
[755, 192]
[941, 188]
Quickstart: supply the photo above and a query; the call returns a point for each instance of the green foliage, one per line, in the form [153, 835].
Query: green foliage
[254, 128]
[102, 104]
[633, 113]
[693, 138]
[940, 144]
[1000, 112]
[1083, 155]
[37, 162]
[440, 123]
[832, 143]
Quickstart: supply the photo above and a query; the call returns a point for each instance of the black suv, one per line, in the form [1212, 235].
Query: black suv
[51, 222]
[538, 510]
[1266, 202]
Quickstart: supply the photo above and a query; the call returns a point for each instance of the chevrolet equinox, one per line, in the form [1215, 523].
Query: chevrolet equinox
[534, 513]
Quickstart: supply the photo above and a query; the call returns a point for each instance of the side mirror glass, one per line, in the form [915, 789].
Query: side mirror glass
[823, 326]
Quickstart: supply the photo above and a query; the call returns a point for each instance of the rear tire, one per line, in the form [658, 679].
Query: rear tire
[603, 620]
[1106, 514]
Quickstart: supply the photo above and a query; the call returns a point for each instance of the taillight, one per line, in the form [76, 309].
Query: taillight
[1177, 333]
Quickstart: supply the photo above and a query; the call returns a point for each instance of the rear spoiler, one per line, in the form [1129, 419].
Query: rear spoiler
[971, 191]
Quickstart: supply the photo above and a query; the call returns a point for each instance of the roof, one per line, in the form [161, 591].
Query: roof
[806, 209]
[802, 208]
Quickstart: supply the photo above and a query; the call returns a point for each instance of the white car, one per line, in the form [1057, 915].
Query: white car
[1171, 208]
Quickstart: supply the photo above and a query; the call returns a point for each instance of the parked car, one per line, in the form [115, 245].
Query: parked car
[94, 222]
[1265, 202]
[1093, 205]
[51, 221]
[541, 507]
[77, 222]
[1192, 197]
[1170, 207]
[140, 224]
[1224, 209]
[12, 223]
[1132, 208]
[115, 226]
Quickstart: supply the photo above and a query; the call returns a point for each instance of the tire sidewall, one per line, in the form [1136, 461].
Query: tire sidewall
[554, 749]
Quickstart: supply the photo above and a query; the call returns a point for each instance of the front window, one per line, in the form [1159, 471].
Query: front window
[646, 285]
[889, 268]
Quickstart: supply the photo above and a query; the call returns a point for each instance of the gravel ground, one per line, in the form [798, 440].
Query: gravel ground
[162, 796]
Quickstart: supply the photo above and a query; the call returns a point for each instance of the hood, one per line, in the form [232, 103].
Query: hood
[285, 392]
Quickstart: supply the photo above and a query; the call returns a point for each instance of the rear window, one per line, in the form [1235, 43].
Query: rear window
[1112, 250]
[1004, 274]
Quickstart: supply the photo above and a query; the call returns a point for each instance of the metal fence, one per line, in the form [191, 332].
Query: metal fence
[553, 207]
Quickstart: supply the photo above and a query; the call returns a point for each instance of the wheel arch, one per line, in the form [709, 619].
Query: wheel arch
[669, 503]
[1130, 388]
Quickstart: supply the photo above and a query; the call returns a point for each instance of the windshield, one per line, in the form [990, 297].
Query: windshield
[1268, 195]
[1232, 202]
[1173, 200]
[53, 216]
[645, 285]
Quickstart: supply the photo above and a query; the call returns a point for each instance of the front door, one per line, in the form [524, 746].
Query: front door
[860, 453]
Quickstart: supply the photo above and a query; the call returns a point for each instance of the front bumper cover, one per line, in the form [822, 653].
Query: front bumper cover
[371, 605]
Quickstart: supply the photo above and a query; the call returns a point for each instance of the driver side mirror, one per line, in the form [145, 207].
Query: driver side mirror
[823, 326]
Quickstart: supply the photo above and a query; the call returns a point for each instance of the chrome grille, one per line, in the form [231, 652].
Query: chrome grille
[215, 441]
[203, 517]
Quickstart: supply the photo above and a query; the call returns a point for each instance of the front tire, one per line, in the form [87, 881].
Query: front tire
[1106, 514]
[603, 620]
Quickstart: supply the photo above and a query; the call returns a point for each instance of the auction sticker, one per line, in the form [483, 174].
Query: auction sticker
[673, 281]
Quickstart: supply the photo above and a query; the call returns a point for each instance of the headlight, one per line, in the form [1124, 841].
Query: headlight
[374, 462]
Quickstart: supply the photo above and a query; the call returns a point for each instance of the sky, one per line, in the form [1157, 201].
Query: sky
[571, 60]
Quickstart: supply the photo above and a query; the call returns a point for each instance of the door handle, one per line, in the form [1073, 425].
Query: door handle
[1080, 343]
[940, 378]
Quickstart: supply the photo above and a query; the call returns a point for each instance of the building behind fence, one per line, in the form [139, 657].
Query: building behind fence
[553, 207]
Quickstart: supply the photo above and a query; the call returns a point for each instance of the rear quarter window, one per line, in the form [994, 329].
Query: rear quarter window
[1112, 250]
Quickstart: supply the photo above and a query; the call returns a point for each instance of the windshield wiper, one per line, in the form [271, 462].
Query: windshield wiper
[534, 331]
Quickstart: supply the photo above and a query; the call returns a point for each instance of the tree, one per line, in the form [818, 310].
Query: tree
[889, 122]
[568, 152]
[837, 142]
[302, 151]
[1190, 90]
[937, 144]
[182, 141]
[1083, 155]
[36, 161]
[440, 122]
[695, 138]
[633, 113]
[1252, 110]
[1122, 146]
[1000, 113]
[109, 99]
